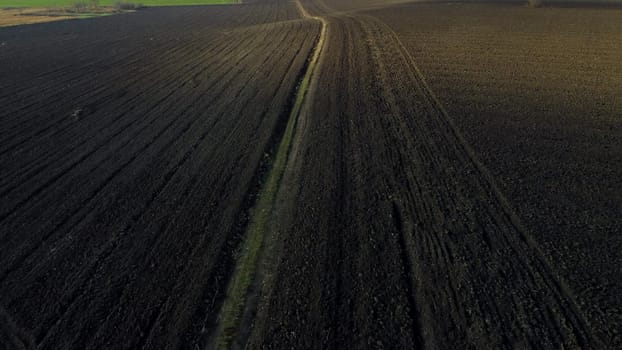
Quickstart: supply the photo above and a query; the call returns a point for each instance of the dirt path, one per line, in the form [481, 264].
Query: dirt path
[236, 314]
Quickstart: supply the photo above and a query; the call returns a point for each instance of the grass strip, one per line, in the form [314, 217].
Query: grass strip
[234, 304]
[69, 3]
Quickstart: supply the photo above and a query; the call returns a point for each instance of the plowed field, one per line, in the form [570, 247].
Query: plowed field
[307, 175]
[128, 152]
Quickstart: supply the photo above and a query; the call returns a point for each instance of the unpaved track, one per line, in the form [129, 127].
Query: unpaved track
[129, 162]
[393, 234]
[237, 313]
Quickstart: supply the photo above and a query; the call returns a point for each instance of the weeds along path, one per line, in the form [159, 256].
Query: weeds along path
[388, 232]
[236, 314]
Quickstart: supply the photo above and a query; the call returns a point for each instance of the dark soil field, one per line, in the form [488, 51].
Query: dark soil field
[541, 106]
[311, 175]
[128, 152]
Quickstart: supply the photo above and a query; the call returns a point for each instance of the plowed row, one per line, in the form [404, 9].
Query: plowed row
[129, 153]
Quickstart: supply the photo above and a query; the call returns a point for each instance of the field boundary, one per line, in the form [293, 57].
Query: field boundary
[17, 14]
[239, 288]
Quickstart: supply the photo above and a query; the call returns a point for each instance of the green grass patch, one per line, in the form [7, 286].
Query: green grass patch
[238, 289]
[68, 3]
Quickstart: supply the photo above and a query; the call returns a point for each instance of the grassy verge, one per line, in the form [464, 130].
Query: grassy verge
[68, 3]
[259, 226]
[20, 12]
[233, 307]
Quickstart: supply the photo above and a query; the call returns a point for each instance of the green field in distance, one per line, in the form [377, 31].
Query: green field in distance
[63, 3]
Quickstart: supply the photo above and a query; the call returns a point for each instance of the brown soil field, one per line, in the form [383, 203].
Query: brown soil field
[312, 175]
[541, 106]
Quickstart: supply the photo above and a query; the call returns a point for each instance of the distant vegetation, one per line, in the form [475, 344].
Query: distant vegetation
[83, 6]
[89, 3]
[19, 12]
[124, 6]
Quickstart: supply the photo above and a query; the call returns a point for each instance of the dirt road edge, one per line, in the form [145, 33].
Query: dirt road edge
[230, 316]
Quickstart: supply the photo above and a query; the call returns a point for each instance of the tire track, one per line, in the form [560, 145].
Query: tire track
[489, 181]
[406, 249]
[505, 218]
